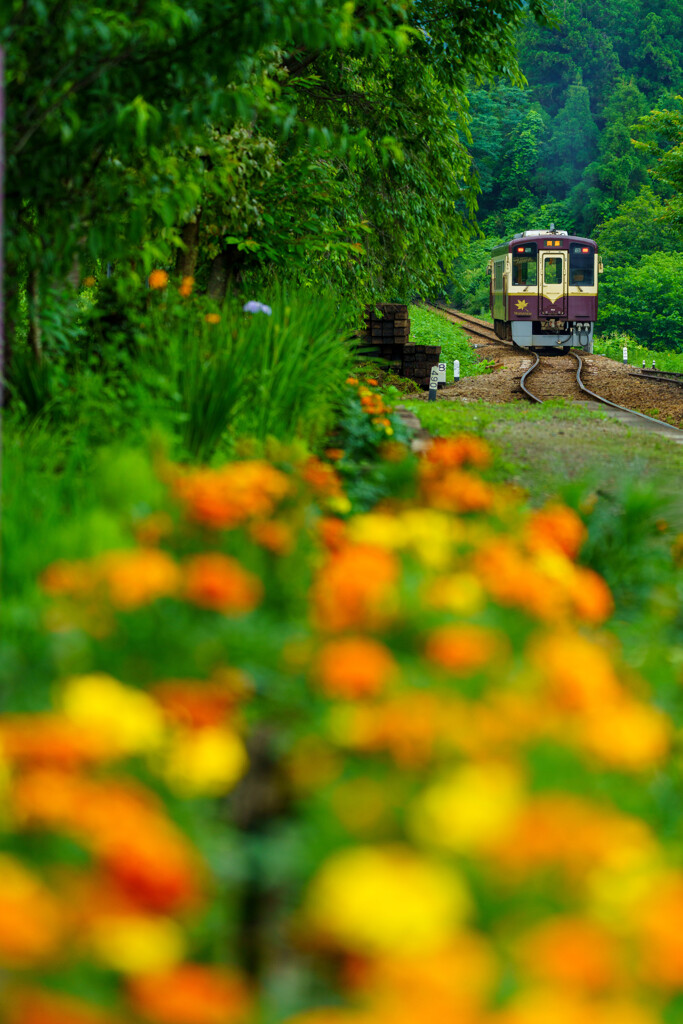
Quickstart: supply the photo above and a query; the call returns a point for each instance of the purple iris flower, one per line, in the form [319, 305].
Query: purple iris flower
[256, 307]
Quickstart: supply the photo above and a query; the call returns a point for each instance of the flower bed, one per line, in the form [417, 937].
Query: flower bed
[444, 796]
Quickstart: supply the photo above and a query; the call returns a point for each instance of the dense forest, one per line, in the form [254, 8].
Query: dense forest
[376, 152]
[594, 145]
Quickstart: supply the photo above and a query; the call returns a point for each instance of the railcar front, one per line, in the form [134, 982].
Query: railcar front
[544, 290]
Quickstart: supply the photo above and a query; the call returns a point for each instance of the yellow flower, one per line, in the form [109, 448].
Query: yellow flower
[158, 279]
[377, 528]
[136, 943]
[88, 281]
[430, 534]
[212, 318]
[205, 762]
[388, 899]
[338, 503]
[461, 593]
[130, 719]
[469, 809]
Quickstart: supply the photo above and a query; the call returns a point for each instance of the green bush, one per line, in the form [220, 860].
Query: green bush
[646, 300]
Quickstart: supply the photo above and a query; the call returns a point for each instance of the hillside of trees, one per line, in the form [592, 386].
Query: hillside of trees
[595, 145]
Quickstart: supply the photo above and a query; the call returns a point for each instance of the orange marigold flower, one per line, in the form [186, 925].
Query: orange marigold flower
[455, 490]
[590, 595]
[577, 673]
[352, 380]
[629, 735]
[571, 951]
[31, 920]
[197, 704]
[567, 832]
[463, 450]
[334, 454]
[557, 527]
[191, 994]
[372, 382]
[152, 862]
[217, 582]
[227, 497]
[332, 532]
[321, 478]
[354, 666]
[273, 535]
[456, 982]
[89, 281]
[355, 588]
[137, 577]
[186, 286]
[51, 739]
[463, 649]
[212, 318]
[158, 279]
[659, 933]
[74, 579]
[36, 1006]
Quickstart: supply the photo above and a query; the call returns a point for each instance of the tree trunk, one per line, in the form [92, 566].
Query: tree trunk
[225, 267]
[34, 332]
[186, 257]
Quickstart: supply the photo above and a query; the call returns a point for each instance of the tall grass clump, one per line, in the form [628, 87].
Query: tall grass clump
[253, 370]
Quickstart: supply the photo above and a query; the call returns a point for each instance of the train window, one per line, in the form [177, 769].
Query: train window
[498, 276]
[553, 271]
[524, 270]
[524, 264]
[581, 265]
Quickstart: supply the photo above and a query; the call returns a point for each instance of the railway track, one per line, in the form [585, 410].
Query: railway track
[555, 376]
[551, 383]
[476, 327]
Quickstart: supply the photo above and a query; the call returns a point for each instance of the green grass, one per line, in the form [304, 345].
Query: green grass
[547, 448]
[612, 345]
[430, 328]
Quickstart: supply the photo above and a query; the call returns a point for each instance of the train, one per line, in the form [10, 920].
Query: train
[544, 290]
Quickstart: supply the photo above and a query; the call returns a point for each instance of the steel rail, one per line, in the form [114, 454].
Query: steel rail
[527, 373]
[615, 405]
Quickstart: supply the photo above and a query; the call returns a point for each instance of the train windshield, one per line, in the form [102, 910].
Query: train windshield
[553, 271]
[524, 264]
[581, 265]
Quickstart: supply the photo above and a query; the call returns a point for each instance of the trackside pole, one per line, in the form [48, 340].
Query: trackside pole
[625, 354]
[433, 383]
[456, 370]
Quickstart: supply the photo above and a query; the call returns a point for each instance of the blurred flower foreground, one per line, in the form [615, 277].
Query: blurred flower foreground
[328, 768]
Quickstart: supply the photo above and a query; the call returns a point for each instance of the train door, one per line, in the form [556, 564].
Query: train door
[552, 287]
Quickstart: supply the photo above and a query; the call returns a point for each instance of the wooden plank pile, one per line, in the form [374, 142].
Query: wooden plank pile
[387, 333]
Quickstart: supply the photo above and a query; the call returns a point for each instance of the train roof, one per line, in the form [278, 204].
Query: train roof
[564, 236]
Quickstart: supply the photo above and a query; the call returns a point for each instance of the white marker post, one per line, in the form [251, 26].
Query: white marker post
[625, 354]
[433, 383]
[442, 373]
[456, 370]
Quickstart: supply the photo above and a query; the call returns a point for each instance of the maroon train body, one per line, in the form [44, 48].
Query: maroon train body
[544, 290]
